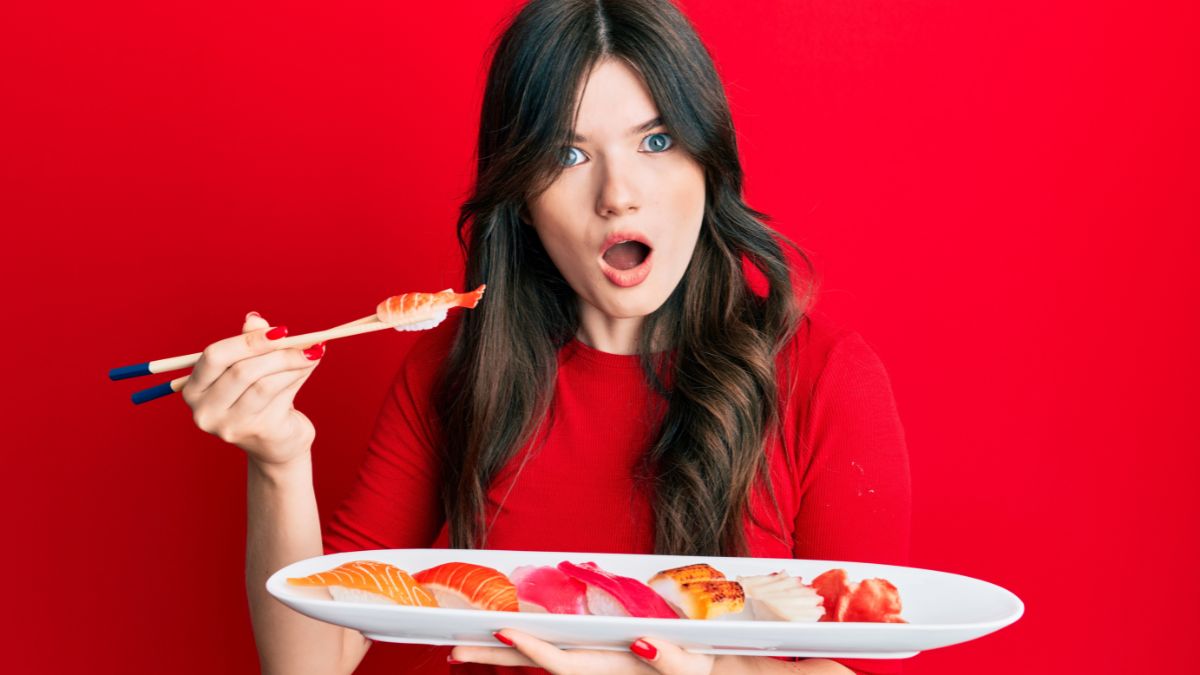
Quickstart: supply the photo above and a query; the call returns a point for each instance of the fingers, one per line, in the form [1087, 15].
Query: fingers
[220, 355]
[496, 656]
[665, 657]
[253, 376]
[278, 389]
[254, 321]
[536, 651]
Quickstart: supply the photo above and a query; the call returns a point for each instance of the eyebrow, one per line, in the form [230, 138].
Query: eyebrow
[647, 126]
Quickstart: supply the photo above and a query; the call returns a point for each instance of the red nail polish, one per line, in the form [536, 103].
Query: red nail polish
[315, 352]
[644, 649]
[276, 332]
[503, 639]
[452, 661]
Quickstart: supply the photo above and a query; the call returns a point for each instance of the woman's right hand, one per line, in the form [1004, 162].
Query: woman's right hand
[241, 390]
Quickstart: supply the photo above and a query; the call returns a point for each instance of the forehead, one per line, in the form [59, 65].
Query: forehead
[612, 100]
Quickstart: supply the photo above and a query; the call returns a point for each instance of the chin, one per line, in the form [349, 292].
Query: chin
[643, 306]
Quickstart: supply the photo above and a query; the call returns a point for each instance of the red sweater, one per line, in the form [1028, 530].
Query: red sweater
[846, 494]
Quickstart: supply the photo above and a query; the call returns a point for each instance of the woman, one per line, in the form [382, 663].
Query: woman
[622, 387]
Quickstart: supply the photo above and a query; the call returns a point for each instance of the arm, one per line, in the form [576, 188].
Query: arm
[856, 492]
[283, 527]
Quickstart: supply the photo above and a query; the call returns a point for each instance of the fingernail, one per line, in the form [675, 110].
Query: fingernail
[503, 639]
[315, 352]
[452, 661]
[255, 315]
[276, 332]
[644, 649]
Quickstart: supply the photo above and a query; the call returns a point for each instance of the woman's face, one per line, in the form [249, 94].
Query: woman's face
[621, 220]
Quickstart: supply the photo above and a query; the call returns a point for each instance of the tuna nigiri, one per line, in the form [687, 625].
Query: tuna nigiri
[546, 589]
[467, 586]
[369, 581]
[611, 595]
[419, 311]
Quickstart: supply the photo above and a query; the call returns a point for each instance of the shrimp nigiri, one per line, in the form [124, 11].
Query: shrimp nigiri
[369, 581]
[418, 311]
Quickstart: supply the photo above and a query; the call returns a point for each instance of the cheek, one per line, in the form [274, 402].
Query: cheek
[688, 202]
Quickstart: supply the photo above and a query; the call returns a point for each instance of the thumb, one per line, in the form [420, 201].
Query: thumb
[665, 657]
[254, 322]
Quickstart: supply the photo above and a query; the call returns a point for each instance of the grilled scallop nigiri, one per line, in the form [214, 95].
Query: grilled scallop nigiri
[699, 591]
[781, 597]
[369, 581]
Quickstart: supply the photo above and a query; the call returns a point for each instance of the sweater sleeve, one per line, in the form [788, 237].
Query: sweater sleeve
[856, 495]
[394, 501]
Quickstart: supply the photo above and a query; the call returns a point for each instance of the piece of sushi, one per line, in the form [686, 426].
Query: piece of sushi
[609, 594]
[870, 600]
[546, 589]
[699, 591]
[369, 581]
[462, 585]
[780, 596]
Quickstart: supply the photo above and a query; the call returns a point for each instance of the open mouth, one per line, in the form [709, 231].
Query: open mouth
[626, 255]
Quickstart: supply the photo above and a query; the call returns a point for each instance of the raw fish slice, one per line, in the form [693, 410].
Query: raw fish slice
[699, 591]
[781, 597]
[546, 589]
[611, 595]
[874, 600]
[419, 311]
[369, 581]
[835, 591]
[469, 586]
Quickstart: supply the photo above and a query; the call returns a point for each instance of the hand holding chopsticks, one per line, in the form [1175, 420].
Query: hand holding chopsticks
[409, 311]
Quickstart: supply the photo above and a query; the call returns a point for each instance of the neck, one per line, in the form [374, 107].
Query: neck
[608, 334]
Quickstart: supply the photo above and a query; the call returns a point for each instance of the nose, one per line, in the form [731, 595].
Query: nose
[618, 193]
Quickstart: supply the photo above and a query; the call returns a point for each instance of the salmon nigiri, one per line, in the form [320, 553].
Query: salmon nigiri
[418, 311]
[467, 586]
[369, 581]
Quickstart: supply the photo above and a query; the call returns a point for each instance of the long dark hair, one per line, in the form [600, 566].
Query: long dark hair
[717, 383]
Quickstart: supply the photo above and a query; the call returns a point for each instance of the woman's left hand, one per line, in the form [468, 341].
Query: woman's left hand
[647, 655]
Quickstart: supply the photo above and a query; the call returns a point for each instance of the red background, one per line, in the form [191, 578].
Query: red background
[1002, 198]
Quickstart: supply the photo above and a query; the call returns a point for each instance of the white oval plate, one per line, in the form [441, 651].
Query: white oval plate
[941, 608]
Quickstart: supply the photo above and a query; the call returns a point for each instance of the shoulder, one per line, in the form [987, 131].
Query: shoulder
[831, 367]
[821, 344]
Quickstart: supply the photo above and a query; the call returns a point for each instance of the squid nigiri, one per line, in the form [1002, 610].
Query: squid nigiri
[419, 311]
[611, 595]
[467, 586]
[780, 596]
[369, 581]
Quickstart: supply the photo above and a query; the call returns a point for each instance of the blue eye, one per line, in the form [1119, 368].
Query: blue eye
[565, 157]
[660, 142]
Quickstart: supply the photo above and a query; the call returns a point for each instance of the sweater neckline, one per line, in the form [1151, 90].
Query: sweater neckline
[577, 349]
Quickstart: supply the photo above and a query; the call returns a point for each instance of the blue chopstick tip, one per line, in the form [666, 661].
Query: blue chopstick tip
[135, 370]
[152, 393]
